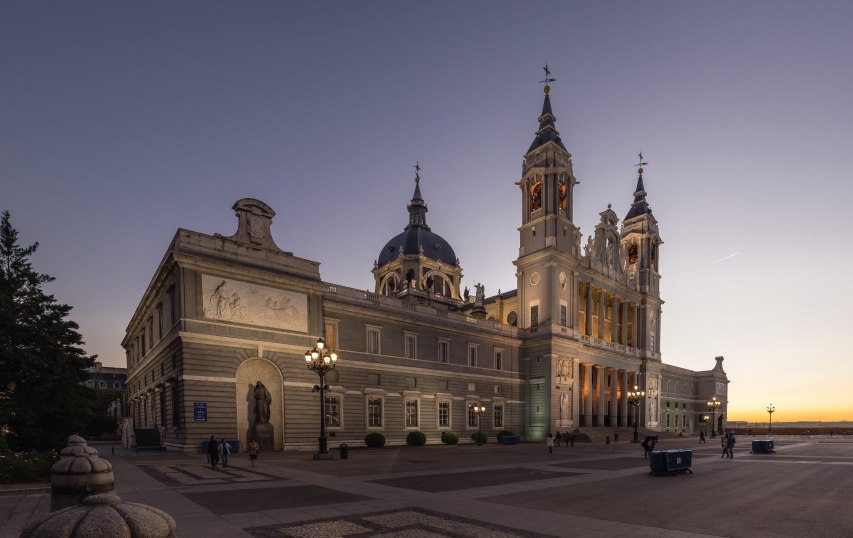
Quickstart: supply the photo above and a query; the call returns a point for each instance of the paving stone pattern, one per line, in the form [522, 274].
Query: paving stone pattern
[410, 522]
[200, 475]
[434, 483]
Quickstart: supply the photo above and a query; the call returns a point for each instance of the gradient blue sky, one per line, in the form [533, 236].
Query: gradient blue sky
[122, 121]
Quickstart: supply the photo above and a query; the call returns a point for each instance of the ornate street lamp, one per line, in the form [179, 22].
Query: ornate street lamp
[321, 360]
[634, 398]
[712, 407]
[479, 409]
[770, 410]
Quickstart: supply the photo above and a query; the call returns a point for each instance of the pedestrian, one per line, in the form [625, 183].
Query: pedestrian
[571, 439]
[730, 446]
[724, 442]
[224, 452]
[549, 442]
[557, 437]
[615, 436]
[213, 452]
[647, 445]
[701, 437]
[253, 451]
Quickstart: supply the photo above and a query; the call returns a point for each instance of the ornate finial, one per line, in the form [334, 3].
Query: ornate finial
[641, 164]
[417, 172]
[548, 79]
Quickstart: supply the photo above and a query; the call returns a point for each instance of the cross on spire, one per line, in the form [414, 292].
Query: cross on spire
[417, 171]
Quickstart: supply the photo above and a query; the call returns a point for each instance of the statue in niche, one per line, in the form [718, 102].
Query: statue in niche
[263, 399]
[536, 196]
[564, 406]
[588, 248]
[466, 294]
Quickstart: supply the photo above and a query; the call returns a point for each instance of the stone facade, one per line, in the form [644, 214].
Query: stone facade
[560, 352]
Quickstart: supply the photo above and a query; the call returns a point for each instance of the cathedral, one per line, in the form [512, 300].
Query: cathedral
[226, 318]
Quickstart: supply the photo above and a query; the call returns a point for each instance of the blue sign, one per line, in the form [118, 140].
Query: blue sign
[200, 411]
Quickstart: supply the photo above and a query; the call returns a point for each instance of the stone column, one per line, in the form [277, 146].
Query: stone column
[614, 403]
[624, 337]
[623, 401]
[588, 328]
[614, 322]
[601, 395]
[587, 398]
[602, 310]
[634, 329]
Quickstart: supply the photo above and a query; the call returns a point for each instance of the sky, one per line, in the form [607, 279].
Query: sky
[121, 122]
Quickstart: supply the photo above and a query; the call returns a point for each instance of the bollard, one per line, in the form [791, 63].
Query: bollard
[607, 440]
[78, 473]
[344, 451]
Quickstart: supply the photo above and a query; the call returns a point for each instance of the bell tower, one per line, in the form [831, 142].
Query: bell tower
[549, 242]
[640, 242]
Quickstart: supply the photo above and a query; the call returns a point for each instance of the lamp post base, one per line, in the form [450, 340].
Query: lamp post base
[321, 456]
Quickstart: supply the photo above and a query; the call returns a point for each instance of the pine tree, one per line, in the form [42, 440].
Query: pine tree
[42, 366]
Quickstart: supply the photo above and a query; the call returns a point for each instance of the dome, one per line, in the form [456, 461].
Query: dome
[418, 240]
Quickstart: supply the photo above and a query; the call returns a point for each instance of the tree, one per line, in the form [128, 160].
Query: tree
[42, 366]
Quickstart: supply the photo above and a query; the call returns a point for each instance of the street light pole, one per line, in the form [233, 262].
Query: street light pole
[321, 360]
[479, 410]
[770, 410]
[634, 398]
[712, 407]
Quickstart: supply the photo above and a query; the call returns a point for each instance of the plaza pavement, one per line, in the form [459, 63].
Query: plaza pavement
[593, 490]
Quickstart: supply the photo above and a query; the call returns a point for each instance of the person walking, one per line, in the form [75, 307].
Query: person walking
[224, 452]
[724, 442]
[702, 437]
[253, 451]
[615, 436]
[648, 445]
[730, 446]
[213, 452]
[549, 442]
[557, 438]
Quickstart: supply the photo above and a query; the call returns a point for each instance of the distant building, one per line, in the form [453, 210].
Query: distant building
[560, 352]
[110, 378]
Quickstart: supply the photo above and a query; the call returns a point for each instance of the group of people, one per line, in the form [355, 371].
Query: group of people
[218, 451]
[728, 444]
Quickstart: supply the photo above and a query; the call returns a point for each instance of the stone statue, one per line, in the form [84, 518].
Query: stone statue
[564, 406]
[263, 399]
[466, 294]
[480, 294]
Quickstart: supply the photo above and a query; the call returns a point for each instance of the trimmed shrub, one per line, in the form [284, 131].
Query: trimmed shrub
[416, 439]
[449, 438]
[502, 433]
[479, 437]
[374, 440]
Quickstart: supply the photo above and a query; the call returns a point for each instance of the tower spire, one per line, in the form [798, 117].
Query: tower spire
[417, 207]
[640, 205]
[547, 129]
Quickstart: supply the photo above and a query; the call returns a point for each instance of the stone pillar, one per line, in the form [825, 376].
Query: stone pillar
[602, 310]
[614, 320]
[588, 328]
[78, 473]
[623, 400]
[587, 397]
[634, 329]
[614, 404]
[623, 339]
[601, 395]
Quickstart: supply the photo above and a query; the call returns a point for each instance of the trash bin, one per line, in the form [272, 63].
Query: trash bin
[344, 451]
[762, 446]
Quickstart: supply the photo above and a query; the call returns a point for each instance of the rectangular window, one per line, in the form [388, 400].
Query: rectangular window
[333, 411]
[443, 351]
[411, 413]
[443, 414]
[534, 316]
[373, 340]
[499, 359]
[176, 411]
[564, 316]
[472, 417]
[411, 346]
[159, 320]
[472, 355]
[150, 332]
[142, 342]
[374, 412]
[499, 416]
[331, 333]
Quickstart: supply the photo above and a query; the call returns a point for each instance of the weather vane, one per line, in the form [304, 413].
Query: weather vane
[641, 164]
[548, 77]
[417, 172]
